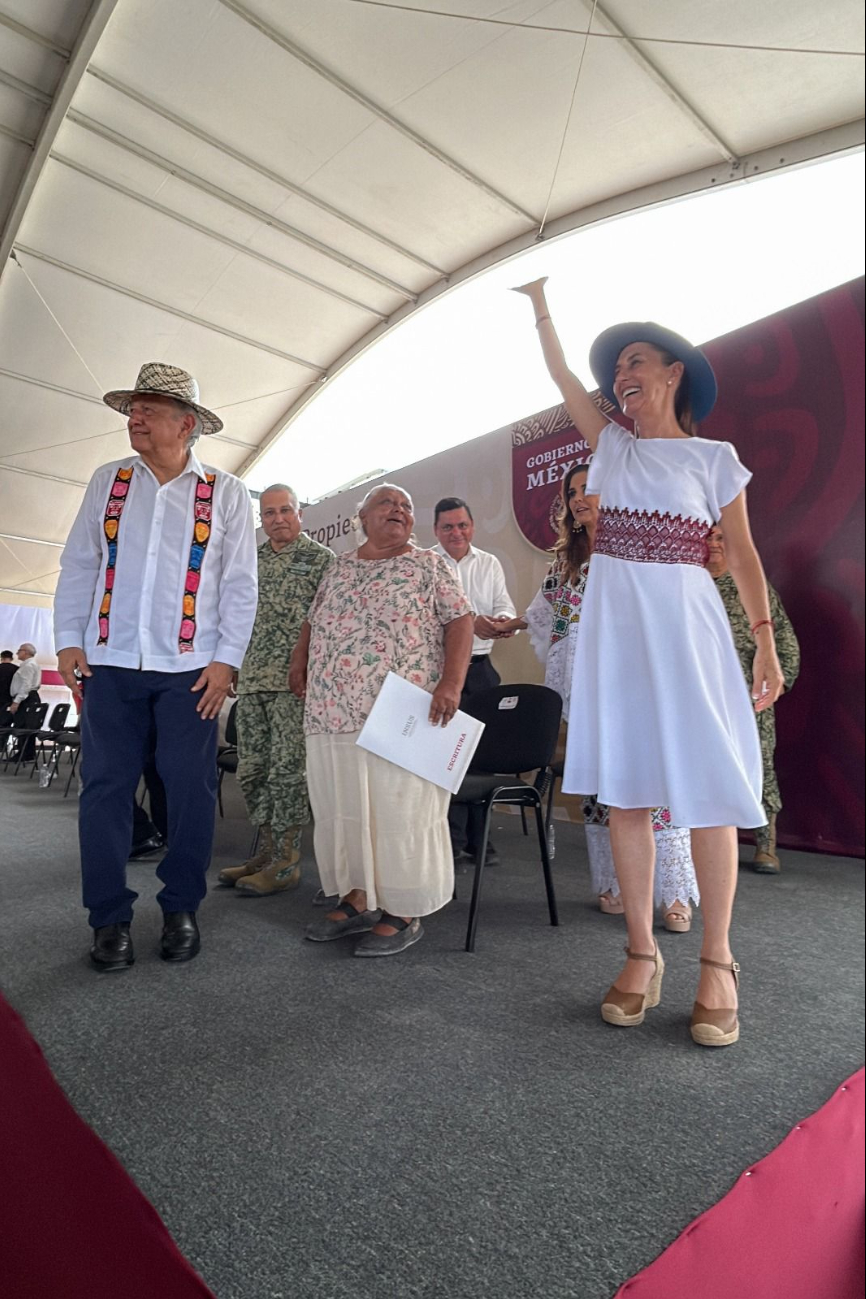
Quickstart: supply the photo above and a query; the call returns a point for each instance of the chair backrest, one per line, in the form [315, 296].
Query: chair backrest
[232, 726]
[521, 727]
[34, 716]
[59, 714]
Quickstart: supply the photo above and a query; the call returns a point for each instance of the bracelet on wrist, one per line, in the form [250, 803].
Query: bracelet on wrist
[540, 319]
[762, 622]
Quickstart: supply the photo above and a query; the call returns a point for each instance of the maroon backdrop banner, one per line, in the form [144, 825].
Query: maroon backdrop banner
[791, 399]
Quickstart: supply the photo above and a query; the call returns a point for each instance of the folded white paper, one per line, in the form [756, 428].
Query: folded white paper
[399, 729]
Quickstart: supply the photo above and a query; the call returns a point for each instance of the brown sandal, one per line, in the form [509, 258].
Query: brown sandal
[627, 1009]
[716, 1027]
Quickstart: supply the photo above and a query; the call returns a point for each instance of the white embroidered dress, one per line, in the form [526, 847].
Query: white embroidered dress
[553, 619]
[663, 711]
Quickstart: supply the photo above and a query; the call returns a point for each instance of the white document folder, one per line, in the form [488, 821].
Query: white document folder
[399, 729]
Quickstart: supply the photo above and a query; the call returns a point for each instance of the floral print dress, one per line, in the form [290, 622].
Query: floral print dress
[371, 617]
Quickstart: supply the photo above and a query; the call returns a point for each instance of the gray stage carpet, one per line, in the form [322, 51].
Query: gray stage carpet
[434, 1125]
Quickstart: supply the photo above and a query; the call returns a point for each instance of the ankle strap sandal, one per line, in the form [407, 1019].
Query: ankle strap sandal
[716, 1027]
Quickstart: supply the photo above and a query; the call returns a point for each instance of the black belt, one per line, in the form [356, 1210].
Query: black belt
[478, 658]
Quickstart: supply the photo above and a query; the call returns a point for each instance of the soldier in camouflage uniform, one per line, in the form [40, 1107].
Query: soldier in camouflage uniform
[766, 859]
[270, 719]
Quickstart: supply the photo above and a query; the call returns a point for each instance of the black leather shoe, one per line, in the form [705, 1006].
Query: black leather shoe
[112, 948]
[180, 940]
[146, 849]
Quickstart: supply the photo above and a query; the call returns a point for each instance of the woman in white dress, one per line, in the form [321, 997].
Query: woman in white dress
[553, 619]
[664, 713]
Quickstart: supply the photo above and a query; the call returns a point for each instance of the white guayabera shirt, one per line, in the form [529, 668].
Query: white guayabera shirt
[483, 581]
[150, 587]
[27, 678]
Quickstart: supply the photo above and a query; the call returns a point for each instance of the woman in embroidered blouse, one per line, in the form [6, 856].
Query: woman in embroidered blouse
[665, 717]
[381, 833]
[553, 619]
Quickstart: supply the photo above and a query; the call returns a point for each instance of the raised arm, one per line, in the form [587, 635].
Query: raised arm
[585, 415]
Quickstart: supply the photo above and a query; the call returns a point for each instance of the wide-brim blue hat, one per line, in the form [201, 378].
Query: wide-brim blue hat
[604, 354]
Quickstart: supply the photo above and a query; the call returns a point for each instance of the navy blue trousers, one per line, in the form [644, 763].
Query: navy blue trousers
[123, 709]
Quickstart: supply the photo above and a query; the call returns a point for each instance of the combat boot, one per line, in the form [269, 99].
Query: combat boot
[283, 873]
[230, 876]
[765, 861]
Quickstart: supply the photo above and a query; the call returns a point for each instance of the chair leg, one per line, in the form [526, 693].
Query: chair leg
[55, 764]
[72, 770]
[549, 813]
[481, 853]
[545, 865]
[220, 792]
[21, 750]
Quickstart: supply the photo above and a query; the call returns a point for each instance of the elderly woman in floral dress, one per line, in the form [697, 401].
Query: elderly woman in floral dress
[381, 836]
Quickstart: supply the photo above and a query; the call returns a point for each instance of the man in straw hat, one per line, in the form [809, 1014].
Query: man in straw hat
[153, 611]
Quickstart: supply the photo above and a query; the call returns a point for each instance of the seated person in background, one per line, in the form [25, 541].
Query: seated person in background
[481, 576]
[766, 860]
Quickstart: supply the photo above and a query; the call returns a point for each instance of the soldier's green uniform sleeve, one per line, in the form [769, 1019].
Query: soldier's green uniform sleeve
[787, 645]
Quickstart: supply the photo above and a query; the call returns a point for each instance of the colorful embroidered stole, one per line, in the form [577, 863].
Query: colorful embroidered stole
[202, 520]
[203, 513]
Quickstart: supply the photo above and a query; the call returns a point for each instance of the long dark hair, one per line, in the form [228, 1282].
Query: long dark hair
[572, 549]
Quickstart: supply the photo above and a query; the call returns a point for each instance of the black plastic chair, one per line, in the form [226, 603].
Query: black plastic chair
[9, 732]
[68, 741]
[556, 771]
[227, 758]
[45, 739]
[521, 730]
[33, 716]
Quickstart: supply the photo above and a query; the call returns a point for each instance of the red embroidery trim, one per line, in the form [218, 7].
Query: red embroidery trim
[653, 538]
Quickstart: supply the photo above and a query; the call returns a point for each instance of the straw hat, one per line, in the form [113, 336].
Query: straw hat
[165, 381]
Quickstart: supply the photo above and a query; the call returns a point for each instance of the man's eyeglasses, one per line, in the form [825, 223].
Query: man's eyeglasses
[454, 527]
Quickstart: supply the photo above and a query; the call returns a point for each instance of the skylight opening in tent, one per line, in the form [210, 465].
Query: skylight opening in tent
[470, 361]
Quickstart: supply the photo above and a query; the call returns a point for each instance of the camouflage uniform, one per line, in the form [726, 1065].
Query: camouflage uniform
[789, 659]
[270, 719]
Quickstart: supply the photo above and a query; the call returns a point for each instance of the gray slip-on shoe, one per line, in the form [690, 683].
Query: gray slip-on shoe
[323, 899]
[391, 944]
[356, 922]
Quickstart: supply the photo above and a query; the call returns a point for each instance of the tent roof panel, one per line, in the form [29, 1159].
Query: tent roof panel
[256, 189]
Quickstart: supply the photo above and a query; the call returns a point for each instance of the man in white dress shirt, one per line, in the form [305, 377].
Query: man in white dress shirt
[153, 611]
[24, 689]
[483, 581]
[24, 686]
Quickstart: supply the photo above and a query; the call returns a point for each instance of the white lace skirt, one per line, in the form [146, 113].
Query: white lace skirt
[378, 828]
[674, 879]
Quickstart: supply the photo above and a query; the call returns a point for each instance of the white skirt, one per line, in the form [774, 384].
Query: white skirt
[660, 712]
[378, 828]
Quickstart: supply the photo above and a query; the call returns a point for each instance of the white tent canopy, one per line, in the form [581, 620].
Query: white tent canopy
[257, 189]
